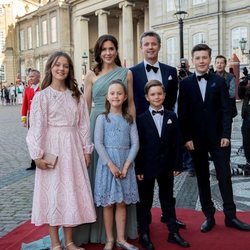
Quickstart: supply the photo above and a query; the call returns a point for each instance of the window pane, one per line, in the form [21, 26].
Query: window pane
[44, 32]
[29, 38]
[172, 51]
[170, 5]
[53, 30]
[2, 40]
[37, 36]
[198, 1]
[22, 41]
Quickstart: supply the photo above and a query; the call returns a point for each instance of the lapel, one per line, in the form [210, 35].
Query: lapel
[164, 123]
[210, 84]
[142, 73]
[150, 121]
[164, 72]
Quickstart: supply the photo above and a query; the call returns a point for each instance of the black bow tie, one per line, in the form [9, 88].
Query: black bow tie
[205, 76]
[160, 112]
[149, 67]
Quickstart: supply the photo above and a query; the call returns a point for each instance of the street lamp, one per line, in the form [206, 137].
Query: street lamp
[180, 15]
[243, 43]
[84, 63]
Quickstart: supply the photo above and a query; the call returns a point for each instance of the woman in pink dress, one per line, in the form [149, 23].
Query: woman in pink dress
[59, 125]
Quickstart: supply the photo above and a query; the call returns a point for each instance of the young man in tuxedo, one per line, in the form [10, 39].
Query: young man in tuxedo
[205, 120]
[151, 69]
[159, 158]
[29, 92]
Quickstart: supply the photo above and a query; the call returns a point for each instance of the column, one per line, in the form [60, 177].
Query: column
[81, 45]
[127, 32]
[146, 18]
[102, 21]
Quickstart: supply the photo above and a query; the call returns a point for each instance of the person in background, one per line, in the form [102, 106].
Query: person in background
[159, 158]
[205, 120]
[116, 142]
[33, 80]
[151, 69]
[59, 125]
[183, 72]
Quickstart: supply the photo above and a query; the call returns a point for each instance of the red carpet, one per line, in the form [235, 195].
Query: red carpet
[219, 238]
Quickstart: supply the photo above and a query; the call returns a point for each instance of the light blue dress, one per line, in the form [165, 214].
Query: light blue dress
[115, 140]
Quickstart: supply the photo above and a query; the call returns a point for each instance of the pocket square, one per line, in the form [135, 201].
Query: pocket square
[213, 84]
[170, 78]
[169, 121]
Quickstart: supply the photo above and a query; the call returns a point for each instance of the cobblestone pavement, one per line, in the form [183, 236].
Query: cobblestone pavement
[16, 183]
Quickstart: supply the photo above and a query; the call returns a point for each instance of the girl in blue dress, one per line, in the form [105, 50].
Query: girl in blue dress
[116, 141]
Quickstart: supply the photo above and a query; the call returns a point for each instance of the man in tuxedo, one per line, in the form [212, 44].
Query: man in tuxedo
[33, 87]
[205, 120]
[159, 158]
[151, 69]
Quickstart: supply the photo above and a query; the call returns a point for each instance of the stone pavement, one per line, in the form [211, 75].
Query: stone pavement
[16, 184]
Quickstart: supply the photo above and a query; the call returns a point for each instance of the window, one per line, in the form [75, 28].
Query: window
[199, 38]
[37, 36]
[198, 1]
[1, 11]
[44, 32]
[38, 64]
[53, 30]
[2, 40]
[29, 38]
[22, 40]
[23, 73]
[2, 73]
[170, 5]
[237, 34]
[172, 51]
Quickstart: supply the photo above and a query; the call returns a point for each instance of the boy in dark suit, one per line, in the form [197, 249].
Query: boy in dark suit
[205, 120]
[159, 158]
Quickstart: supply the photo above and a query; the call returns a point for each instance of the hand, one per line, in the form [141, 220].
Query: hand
[87, 159]
[114, 170]
[123, 173]
[224, 142]
[140, 177]
[24, 124]
[176, 173]
[42, 164]
[189, 145]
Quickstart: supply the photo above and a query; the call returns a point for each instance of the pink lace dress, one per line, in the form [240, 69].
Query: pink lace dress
[59, 125]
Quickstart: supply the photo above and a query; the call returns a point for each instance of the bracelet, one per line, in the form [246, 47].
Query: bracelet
[24, 119]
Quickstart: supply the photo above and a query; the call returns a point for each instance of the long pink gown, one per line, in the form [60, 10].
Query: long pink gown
[59, 125]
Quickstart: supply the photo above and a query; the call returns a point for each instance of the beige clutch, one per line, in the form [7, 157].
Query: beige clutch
[51, 159]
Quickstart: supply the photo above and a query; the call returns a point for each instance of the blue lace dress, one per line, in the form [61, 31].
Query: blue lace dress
[115, 140]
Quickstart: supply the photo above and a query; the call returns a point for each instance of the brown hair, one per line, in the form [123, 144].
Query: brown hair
[98, 50]
[125, 113]
[153, 83]
[200, 47]
[150, 33]
[221, 57]
[70, 81]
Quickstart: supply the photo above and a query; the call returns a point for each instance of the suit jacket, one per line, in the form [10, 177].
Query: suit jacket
[170, 81]
[204, 121]
[27, 98]
[158, 155]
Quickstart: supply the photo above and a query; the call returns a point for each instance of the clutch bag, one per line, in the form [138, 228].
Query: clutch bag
[51, 159]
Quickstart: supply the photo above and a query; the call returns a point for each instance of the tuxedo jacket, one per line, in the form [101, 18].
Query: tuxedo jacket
[204, 121]
[27, 98]
[170, 81]
[158, 154]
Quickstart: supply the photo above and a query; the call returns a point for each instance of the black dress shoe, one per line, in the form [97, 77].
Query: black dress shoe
[31, 168]
[236, 223]
[179, 223]
[177, 239]
[145, 242]
[208, 224]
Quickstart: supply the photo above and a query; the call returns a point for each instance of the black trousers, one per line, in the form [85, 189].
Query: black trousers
[167, 201]
[245, 129]
[221, 159]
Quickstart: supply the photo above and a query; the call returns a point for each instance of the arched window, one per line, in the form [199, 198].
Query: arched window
[236, 35]
[172, 51]
[199, 38]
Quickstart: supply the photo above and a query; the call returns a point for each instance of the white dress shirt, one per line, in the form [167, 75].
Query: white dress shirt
[202, 85]
[151, 75]
[158, 119]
